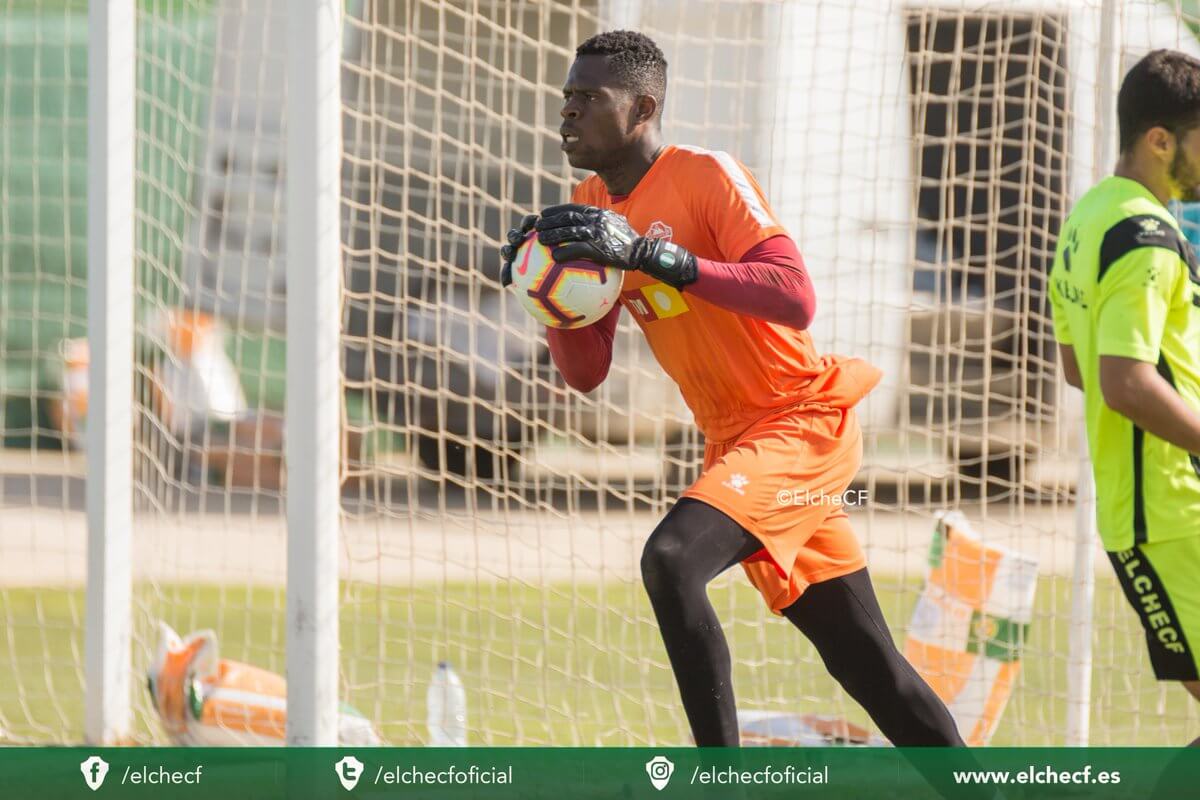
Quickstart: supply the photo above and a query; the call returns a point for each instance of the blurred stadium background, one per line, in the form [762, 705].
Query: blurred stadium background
[923, 155]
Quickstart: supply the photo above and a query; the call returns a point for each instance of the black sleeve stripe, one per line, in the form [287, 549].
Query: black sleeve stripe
[1164, 369]
[1145, 230]
[1139, 492]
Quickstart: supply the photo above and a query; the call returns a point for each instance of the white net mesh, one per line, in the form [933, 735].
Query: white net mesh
[923, 157]
[42, 302]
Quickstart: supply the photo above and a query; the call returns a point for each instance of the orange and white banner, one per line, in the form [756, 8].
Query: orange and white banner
[970, 625]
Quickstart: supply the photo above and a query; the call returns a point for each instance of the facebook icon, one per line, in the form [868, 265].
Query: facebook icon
[94, 770]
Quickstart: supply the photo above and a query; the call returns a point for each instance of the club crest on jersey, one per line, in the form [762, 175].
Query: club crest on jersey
[659, 230]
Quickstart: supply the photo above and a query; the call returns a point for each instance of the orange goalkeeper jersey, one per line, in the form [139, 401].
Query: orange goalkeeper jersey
[732, 369]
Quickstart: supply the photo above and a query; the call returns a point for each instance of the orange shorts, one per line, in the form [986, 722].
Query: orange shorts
[785, 480]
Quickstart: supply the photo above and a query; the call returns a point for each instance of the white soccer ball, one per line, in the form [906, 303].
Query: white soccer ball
[570, 295]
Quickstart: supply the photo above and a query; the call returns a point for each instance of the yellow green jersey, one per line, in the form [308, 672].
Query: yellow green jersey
[1125, 282]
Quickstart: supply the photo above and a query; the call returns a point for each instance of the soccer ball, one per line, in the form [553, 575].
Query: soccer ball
[570, 295]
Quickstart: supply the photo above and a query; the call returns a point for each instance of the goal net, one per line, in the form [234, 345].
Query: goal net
[923, 156]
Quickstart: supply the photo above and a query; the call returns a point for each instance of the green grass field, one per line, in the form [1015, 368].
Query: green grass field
[559, 664]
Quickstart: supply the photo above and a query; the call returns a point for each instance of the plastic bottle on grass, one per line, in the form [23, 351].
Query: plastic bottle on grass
[446, 706]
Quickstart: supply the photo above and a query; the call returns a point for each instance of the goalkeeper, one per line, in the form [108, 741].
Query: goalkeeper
[722, 296]
[1125, 292]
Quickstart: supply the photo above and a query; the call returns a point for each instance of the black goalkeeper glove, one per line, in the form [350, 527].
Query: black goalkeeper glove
[605, 237]
[516, 237]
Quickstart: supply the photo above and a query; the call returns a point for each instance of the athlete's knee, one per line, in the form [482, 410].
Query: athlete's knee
[661, 564]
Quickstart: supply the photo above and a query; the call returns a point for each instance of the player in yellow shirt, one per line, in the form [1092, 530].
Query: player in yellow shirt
[1125, 290]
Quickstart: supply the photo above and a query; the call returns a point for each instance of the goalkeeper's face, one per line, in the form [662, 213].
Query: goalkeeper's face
[601, 120]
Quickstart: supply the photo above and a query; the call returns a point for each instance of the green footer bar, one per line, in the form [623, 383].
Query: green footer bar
[557, 773]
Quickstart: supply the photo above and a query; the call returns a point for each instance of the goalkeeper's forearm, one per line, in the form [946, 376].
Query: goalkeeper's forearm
[769, 283]
[583, 355]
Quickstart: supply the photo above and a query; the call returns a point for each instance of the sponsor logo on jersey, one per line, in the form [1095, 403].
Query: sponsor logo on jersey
[738, 482]
[654, 302]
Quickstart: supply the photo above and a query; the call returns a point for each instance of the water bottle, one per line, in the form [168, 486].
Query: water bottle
[446, 704]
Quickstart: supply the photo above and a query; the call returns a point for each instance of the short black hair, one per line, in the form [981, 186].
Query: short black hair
[1163, 89]
[634, 60]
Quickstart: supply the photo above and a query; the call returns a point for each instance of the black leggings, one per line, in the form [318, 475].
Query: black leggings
[695, 543]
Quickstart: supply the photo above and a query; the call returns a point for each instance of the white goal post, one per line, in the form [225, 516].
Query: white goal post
[313, 160]
[314, 412]
[111, 101]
